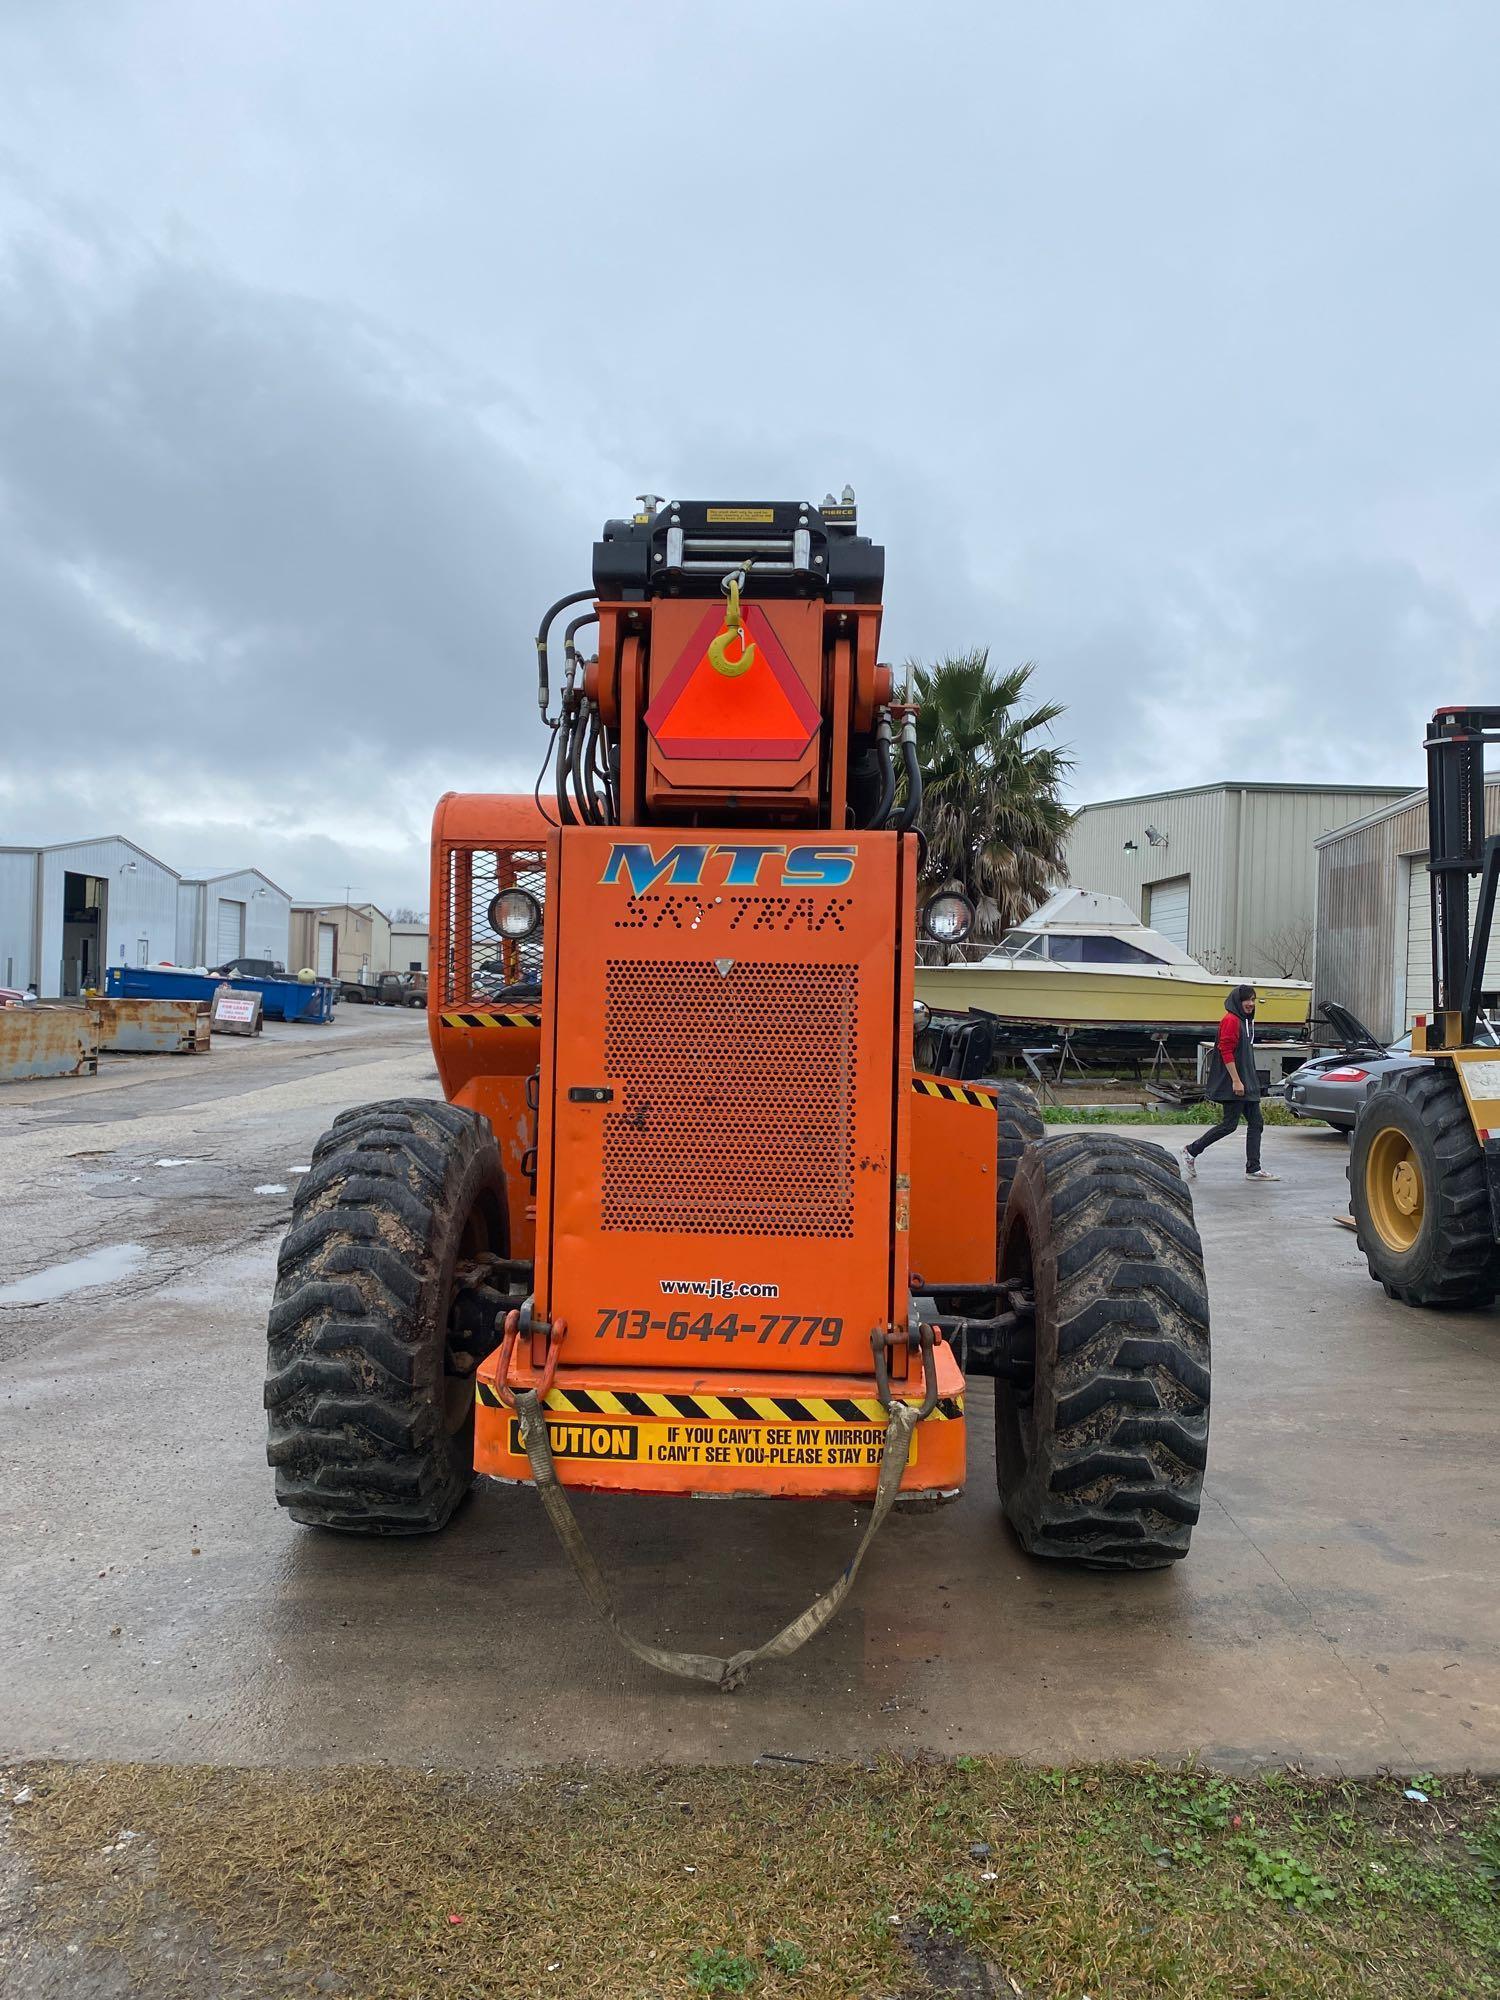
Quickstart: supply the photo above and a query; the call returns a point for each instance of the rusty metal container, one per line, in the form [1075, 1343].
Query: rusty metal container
[47, 1041]
[151, 1027]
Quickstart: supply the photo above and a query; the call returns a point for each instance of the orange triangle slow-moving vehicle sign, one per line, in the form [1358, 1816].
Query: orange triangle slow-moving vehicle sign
[763, 713]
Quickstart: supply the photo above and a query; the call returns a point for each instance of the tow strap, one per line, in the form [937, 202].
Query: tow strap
[726, 1675]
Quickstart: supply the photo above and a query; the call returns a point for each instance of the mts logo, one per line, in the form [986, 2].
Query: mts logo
[682, 866]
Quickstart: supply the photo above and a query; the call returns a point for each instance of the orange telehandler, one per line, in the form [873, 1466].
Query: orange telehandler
[689, 1222]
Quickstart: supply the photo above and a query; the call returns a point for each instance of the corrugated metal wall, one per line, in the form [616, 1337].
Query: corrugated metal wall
[1365, 932]
[267, 914]
[1248, 852]
[18, 868]
[1278, 868]
[140, 907]
[268, 919]
[189, 924]
[1194, 825]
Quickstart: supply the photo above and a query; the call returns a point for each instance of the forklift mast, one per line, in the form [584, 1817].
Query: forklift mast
[1459, 848]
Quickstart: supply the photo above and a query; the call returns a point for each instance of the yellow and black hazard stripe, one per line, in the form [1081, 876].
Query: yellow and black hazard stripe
[489, 1019]
[956, 1093]
[721, 1409]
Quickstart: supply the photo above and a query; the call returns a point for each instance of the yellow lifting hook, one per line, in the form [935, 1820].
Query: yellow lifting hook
[734, 628]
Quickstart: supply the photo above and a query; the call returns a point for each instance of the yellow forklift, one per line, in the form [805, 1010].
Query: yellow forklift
[1424, 1166]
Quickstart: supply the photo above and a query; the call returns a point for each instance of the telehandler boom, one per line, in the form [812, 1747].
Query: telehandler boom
[688, 1222]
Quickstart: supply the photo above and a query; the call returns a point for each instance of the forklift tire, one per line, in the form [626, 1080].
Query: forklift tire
[1100, 1457]
[371, 1429]
[1018, 1124]
[1419, 1193]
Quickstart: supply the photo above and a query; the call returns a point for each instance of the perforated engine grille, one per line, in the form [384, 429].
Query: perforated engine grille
[736, 1107]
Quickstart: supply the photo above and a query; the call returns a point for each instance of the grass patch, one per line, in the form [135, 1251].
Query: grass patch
[1273, 1111]
[828, 1883]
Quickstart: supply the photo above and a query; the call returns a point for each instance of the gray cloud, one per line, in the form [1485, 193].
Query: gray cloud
[1158, 342]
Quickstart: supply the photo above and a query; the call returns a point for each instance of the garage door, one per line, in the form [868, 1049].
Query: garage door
[1419, 942]
[231, 938]
[1167, 910]
[326, 935]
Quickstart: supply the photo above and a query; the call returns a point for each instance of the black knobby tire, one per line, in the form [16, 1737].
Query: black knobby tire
[370, 1429]
[1454, 1260]
[1101, 1458]
[1018, 1124]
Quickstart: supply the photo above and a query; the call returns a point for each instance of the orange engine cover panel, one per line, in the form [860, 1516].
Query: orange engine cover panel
[726, 1098]
[954, 1224]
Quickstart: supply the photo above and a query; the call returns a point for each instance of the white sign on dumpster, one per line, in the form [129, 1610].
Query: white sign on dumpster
[236, 1013]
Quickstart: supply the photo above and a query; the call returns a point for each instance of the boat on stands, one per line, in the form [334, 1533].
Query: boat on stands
[1086, 961]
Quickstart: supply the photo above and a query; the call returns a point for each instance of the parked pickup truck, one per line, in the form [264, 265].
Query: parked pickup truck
[402, 989]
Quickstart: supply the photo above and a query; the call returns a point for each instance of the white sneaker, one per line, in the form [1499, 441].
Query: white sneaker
[1260, 1174]
[1189, 1166]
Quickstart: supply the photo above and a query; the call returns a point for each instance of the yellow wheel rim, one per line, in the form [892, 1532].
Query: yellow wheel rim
[1394, 1189]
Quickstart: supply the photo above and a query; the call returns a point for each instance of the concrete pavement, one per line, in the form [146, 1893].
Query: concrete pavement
[1341, 1605]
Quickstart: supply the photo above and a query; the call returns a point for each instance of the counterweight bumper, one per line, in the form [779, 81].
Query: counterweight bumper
[720, 1434]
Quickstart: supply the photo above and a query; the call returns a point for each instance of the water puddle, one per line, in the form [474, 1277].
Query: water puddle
[58, 1281]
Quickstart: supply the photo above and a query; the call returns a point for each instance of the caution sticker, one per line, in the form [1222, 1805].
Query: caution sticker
[753, 1445]
[738, 516]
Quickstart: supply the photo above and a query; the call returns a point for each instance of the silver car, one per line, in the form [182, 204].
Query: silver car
[1329, 1088]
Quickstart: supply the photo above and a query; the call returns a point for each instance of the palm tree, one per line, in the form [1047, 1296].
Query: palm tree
[994, 822]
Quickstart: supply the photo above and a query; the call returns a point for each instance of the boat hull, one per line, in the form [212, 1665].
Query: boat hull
[1134, 997]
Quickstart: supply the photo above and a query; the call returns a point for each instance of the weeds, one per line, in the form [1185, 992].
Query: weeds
[950, 1907]
[1286, 1879]
[720, 1971]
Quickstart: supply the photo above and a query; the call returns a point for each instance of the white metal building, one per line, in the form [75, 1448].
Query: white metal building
[70, 911]
[1375, 914]
[232, 913]
[408, 947]
[1227, 872]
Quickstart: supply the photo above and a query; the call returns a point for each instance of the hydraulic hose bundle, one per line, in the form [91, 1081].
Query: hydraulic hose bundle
[584, 780]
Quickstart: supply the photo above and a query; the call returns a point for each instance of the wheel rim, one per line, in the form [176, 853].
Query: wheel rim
[1395, 1191]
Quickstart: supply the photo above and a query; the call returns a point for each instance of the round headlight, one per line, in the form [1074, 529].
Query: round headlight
[921, 1017]
[515, 913]
[947, 918]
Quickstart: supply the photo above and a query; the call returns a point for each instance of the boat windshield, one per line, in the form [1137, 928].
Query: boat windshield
[1022, 944]
[1099, 949]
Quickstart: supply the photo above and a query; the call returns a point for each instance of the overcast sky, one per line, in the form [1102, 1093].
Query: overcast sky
[1159, 342]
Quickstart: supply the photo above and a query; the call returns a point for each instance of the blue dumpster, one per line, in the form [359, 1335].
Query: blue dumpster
[280, 999]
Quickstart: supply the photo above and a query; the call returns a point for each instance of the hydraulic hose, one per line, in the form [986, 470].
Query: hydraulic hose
[543, 682]
[588, 799]
[564, 807]
[576, 746]
[906, 819]
[564, 737]
[570, 651]
[595, 806]
[887, 796]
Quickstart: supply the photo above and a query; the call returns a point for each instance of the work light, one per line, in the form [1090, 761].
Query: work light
[515, 913]
[947, 918]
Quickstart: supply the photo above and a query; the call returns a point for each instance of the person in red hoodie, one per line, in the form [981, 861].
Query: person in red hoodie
[1234, 1083]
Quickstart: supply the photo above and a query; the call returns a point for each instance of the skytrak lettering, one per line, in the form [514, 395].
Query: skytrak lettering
[681, 866]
